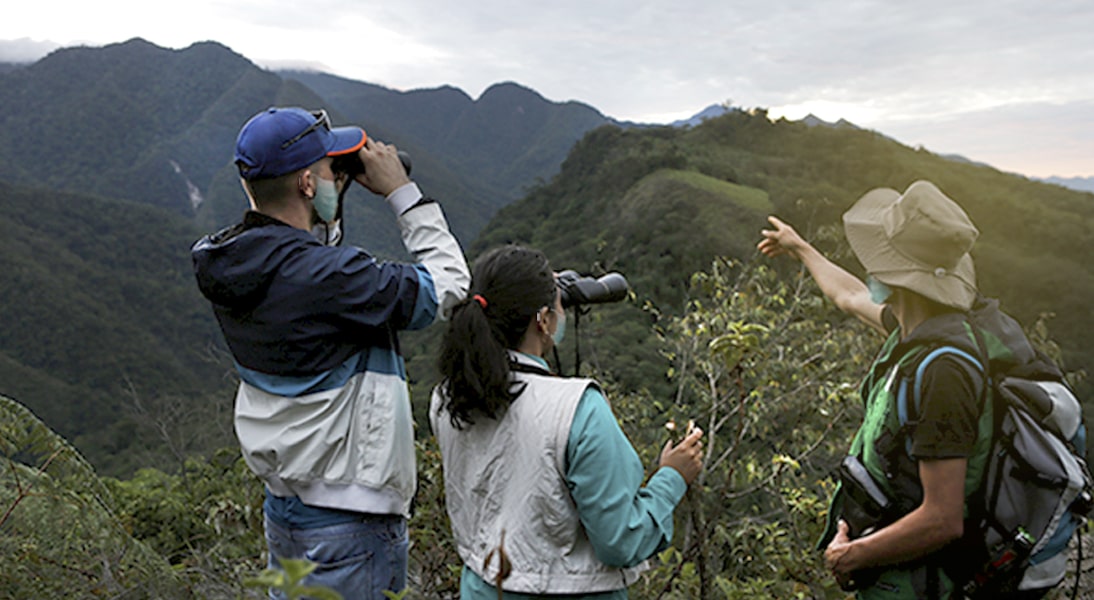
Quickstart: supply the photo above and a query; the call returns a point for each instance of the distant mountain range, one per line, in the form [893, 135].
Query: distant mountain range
[815, 121]
[710, 112]
[129, 147]
[1084, 184]
[353, 91]
[114, 159]
[157, 126]
[717, 110]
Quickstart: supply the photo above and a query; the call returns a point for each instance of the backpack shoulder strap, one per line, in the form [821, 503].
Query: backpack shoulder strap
[914, 381]
[933, 355]
[916, 378]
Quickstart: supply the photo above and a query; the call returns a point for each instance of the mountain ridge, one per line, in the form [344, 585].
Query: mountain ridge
[507, 166]
[810, 175]
[1083, 184]
[140, 135]
[168, 138]
[1079, 182]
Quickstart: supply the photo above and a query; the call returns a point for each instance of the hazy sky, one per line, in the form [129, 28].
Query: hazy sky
[1006, 82]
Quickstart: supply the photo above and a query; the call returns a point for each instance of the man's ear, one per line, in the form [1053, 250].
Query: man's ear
[305, 182]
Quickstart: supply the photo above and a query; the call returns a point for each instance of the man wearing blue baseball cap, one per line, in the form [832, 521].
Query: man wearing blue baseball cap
[323, 411]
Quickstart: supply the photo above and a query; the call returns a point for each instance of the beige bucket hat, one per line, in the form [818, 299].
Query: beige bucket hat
[919, 240]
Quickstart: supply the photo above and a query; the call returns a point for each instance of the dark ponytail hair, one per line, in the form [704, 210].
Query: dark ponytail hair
[508, 286]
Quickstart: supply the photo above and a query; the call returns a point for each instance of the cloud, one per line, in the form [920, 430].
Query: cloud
[938, 63]
[1036, 139]
[25, 50]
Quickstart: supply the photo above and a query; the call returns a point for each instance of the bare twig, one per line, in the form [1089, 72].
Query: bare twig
[24, 492]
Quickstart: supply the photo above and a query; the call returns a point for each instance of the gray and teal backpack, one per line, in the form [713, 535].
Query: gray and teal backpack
[1035, 491]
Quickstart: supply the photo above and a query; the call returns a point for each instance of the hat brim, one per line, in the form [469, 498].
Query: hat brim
[346, 140]
[863, 226]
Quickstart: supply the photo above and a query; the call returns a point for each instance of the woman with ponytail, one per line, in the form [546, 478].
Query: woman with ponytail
[543, 488]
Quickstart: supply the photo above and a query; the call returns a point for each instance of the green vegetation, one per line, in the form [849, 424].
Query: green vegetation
[289, 581]
[760, 361]
[760, 364]
[104, 327]
[107, 341]
[59, 534]
[658, 204]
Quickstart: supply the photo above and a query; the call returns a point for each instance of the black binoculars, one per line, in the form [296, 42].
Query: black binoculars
[351, 164]
[577, 289]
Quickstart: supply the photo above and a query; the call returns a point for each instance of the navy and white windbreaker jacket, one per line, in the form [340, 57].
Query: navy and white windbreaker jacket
[323, 411]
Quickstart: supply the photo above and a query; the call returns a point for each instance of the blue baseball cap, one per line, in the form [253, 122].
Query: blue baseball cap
[278, 141]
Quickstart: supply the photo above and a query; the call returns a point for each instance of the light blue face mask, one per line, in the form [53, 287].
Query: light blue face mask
[879, 292]
[326, 199]
[560, 332]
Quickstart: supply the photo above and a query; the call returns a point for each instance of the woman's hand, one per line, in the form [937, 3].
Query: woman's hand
[686, 457]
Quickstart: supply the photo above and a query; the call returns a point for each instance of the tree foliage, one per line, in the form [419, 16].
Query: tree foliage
[766, 368]
[205, 520]
[60, 536]
[758, 359]
[654, 204]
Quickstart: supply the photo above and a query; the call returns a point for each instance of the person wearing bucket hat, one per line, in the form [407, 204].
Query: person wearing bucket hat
[919, 241]
[322, 412]
[920, 291]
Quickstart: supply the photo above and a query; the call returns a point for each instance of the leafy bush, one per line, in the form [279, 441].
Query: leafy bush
[59, 533]
[764, 366]
[206, 520]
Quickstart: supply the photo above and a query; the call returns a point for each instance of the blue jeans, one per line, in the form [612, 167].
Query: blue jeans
[358, 560]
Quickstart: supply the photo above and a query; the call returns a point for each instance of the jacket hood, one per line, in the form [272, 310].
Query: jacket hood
[235, 266]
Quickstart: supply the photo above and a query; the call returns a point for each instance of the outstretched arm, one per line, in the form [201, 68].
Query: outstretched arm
[849, 293]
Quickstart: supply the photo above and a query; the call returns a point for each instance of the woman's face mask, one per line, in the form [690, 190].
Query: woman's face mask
[560, 331]
[879, 292]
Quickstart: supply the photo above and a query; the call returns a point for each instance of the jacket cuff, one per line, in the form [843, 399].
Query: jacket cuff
[403, 198]
[671, 481]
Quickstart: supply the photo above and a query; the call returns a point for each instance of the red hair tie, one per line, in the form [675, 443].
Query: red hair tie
[480, 300]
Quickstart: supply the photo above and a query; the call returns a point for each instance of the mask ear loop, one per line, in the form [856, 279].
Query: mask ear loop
[338, 214]
[247, 191]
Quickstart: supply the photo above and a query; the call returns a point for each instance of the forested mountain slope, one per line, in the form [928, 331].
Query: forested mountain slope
[659, 204]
